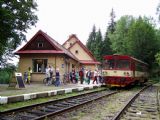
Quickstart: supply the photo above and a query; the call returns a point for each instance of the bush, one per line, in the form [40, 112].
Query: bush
[6, 74]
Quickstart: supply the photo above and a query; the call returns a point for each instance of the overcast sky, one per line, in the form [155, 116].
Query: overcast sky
[60, 18]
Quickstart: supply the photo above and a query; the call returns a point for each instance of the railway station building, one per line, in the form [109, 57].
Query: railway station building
[42, 50]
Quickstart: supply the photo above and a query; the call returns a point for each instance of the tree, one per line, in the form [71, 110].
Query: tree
[143, 40]
[98, 46]
[112, 23]
[16, 16]
[91, 40]
[106, 47]
[135, 37]
[120, 43]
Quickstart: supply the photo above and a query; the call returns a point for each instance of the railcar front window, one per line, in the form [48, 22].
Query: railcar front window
[109, 64]
[123, 64]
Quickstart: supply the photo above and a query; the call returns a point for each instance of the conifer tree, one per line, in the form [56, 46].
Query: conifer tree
[98, 46]
[106, 48]
[91, 40]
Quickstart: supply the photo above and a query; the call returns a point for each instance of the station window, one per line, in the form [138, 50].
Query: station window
[76, 51]
[39, 65]
[70, 44]
[40, 45]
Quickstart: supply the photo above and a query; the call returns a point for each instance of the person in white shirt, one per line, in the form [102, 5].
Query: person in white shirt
[47, 74]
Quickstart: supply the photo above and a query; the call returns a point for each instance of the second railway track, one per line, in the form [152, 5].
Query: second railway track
[143, 106]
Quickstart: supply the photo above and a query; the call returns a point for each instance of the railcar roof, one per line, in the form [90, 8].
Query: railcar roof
[124, 57]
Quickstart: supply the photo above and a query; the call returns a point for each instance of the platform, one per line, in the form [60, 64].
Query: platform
[33, 91]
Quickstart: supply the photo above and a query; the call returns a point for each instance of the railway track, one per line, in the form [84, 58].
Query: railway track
[143, 106]
[107, 108]
[51, 108]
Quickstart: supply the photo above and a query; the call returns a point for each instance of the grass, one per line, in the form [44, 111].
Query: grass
[9, 106]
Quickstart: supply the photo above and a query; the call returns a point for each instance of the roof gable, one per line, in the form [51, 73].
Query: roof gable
[40, 41]
[80, 44]
[70, 38]
[51, 45]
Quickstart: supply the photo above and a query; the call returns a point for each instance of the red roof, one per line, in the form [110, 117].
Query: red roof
[59, 48]
[122, 57]
[39, 51]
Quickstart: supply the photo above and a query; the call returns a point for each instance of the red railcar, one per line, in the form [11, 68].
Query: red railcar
[123, 70]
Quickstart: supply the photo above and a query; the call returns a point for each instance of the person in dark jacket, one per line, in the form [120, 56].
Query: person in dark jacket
[88, 75]
[81, 76]
[57, 82]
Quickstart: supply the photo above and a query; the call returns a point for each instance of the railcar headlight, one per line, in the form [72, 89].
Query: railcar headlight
[104, 73]
[128, 74]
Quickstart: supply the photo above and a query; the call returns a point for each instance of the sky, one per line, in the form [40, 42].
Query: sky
[61, 18]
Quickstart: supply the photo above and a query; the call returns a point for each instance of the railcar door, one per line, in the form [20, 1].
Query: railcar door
[133, 67]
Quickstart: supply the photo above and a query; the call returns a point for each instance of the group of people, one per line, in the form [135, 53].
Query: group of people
[74, 76]
[49, 76]
[85, 75]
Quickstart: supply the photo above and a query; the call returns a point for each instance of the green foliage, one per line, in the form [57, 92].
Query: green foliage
[143, 40]
[120, 43]
[98, 46]
[157, 56]
[106, 46]
[132, 36]
[91, 40]
[135, 37]
[15, 18]
[6, 74]
[112, 23]
[94, 43]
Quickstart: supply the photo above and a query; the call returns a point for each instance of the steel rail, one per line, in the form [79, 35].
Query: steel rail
[44, 103]
[71, 107]
[120, 113]
[43, 114]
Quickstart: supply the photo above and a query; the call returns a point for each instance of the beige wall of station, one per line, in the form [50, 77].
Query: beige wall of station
[57, 61]
[81, 53]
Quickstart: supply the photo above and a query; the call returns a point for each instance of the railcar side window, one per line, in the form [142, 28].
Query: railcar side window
[123, 64]
[108, 64]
